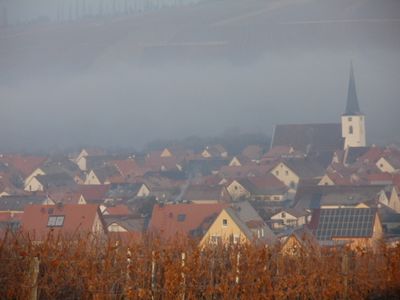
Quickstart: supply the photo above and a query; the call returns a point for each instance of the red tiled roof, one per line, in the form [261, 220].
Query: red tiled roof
[76, 218]
[24, 164]
[181, 219]
[128, 167]
[65, 196]
[252, 152]
[373, 154]
[246, 170]
[93, 192]
[268, 180]
[339, 179]
[380, 177]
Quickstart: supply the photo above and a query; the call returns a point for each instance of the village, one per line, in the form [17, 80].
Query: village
[320, 181]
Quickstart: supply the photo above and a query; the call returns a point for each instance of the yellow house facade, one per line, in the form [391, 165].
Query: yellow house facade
[227, 228]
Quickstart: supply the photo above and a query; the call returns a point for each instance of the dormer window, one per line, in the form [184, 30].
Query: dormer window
[55, 221]
[181, 217]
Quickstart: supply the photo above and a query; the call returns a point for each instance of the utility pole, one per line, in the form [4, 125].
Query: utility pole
[34, 273]
[345, 271]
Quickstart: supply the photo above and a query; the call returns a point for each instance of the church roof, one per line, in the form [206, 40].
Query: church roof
[352, 107]
[309, 137]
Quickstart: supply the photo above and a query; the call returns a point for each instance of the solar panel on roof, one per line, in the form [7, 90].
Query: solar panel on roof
[345, 222]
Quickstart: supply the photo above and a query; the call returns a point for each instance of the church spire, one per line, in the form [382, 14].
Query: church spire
[352, 107]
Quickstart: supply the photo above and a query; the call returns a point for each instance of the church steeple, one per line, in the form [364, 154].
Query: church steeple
[352, 107]
[353, 121]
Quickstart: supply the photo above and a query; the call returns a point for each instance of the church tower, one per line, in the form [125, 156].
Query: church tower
[353, 121]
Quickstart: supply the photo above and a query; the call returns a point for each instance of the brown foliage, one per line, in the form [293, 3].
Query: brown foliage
[83, 267]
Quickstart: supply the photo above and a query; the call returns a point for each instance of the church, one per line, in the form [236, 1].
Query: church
[322, 140]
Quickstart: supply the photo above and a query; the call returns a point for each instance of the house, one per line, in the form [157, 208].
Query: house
[63, 195]
[394, 199]
[277, 153]
[311, 197]
[300, 241]
[23, 164]
[171, 221]
[125, 229]
[81, 159]
[389, 164]
[49, 181]
[202, 194]
[291, 171]
[239, 223]
[69, 219]
[262, 188]
[342, 176]
[128, 168]
[247, 170]
[55, 165]
[204, 167]
[104, 175]
[361, 227]
[127, 191]
[289, 218]
[238, 161]
[92, 193]
[253, 152]
[16, 204]
[8, 181]
[215, 151]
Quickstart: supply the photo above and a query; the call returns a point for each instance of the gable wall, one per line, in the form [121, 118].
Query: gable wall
[236, 190]
[287, 176]
[34, 185]
[225, 232]
[91, 179]
[143, 191]
[384, 166]
[35, 173]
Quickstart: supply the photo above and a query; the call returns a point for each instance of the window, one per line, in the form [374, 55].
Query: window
[236, 238]
[215, 239]
[236, 187]
[55, 221]
[350, 119]
[224, 222]
[350, 129]
[283, 215]
[277, 173]
[181, 217]
[287, 173]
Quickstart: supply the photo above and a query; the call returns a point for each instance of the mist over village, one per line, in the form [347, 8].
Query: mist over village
[199, 149]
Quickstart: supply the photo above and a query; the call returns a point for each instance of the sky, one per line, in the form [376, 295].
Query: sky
[197, 69]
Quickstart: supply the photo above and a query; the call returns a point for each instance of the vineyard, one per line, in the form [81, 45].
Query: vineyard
[83, 267]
